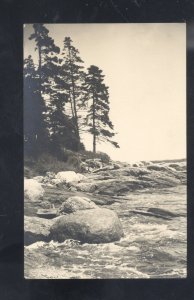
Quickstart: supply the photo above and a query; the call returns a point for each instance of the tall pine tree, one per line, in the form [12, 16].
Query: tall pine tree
[44, 45]
[62, 131]
[72, 66]
[34, 123]
[46, 70]
[97, 119]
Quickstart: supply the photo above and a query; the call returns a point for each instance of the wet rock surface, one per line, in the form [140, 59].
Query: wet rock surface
[156, 232]
[163, 212]
[151, 247]
[47, 213]
[119, 180]
[36, 229]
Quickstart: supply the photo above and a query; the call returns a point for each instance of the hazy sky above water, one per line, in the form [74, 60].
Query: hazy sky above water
[145, 69]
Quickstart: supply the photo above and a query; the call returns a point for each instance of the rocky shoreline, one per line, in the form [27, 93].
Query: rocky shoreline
[75, 200]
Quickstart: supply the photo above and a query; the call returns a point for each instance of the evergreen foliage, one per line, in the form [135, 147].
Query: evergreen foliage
[97, 119]
[34, 108]
[73, 74]
[57, 93]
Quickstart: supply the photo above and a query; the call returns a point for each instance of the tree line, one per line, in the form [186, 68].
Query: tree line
[61, 99]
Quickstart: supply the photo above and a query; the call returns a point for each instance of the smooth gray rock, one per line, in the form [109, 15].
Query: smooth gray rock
[73, 204]
[47, 213]
[99, 225]
[88, 187]
[36, 229]
[162, 212]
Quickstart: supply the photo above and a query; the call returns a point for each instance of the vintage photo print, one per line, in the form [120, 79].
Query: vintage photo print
[105, 151]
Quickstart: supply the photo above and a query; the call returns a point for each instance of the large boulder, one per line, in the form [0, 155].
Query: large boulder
[73, 204]
[88, 226]
[33, 190]
[69, 176]
[36, 229]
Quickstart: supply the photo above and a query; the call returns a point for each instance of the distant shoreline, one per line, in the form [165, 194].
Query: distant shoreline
[169, 160]
[176, 160]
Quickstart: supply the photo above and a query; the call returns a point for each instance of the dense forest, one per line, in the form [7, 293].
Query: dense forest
[62, 99]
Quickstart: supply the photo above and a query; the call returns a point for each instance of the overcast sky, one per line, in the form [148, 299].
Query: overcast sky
[145, 69]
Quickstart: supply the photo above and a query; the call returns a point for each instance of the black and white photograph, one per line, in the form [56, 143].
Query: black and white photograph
[105, 175]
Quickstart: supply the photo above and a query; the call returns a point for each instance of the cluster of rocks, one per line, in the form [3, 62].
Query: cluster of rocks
[78, 218]
[119, 180]
[60, 178]
[113, 179]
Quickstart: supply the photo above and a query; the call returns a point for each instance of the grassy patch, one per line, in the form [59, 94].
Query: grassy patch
[69, 161]
[48, 163]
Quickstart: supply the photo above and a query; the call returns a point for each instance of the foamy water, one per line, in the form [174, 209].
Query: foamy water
[151, 248]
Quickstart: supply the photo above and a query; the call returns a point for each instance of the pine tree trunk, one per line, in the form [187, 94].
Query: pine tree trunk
[74, 109]
[94, 126]
[39, 64]
[94, 143]
[39, 81]
[40, 84]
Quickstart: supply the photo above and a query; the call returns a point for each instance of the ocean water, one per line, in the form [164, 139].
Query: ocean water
[151, 247]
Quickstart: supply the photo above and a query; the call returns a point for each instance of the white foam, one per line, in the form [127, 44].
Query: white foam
[36, 245]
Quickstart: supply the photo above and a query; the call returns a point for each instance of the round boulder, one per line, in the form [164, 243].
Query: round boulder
[99, 225]
[69, 176]
[88, 187]
[73, 204]
[33, 190]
